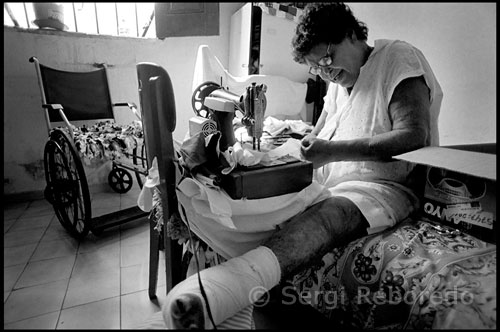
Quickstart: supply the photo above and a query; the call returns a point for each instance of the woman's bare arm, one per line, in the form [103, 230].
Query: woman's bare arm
[409, 112]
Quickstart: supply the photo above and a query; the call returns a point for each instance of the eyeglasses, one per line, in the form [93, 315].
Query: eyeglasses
[322, 63]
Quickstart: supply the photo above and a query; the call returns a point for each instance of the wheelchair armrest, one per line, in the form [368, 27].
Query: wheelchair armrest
[53, 106]
[132, 106]
[63, 116]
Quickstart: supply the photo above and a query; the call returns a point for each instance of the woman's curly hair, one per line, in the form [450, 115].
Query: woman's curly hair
[325, 23]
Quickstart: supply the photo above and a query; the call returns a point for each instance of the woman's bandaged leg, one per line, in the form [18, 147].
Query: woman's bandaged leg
[308, 236]
[230, 287]
[234, 284]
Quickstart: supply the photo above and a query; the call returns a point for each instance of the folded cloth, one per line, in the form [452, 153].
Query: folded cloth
[237, 155]
[232, 227]
[276, 126]
[290, 148]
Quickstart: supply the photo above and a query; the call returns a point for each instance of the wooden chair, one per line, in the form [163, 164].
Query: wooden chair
[158, 118]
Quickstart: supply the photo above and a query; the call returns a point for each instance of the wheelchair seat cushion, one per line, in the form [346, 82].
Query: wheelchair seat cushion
[106, 140]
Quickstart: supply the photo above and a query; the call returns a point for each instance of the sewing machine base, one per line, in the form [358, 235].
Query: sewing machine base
[262, 182]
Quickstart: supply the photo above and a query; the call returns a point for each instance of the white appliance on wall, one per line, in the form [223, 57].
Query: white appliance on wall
[260, 43]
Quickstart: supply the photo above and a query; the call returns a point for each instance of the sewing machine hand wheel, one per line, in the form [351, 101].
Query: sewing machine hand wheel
[199, 94]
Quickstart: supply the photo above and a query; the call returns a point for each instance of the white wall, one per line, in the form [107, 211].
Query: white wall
[25, 132]
[459, 41]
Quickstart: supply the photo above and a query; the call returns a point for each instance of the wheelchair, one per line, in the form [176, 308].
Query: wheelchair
[76, 96]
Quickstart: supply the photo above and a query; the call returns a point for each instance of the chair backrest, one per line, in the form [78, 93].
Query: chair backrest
[84, 95]
[156, 96]
[158, 116]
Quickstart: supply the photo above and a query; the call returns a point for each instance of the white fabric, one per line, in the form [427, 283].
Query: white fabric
[291, 147]
[285, 98]
[242, 154]
[145, 199]
[364, 113]
[382, 203]
[239, 155]
[276, 126]
[230, 287]
[232, 227]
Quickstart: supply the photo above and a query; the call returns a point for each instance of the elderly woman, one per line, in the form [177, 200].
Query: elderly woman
[382, 100]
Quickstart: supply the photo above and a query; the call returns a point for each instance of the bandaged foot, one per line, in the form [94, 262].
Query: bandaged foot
[230, 287]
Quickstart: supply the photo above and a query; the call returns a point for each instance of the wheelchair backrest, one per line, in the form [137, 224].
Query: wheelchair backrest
[84, 95]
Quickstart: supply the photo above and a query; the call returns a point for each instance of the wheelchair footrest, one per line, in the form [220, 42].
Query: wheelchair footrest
[118, 218]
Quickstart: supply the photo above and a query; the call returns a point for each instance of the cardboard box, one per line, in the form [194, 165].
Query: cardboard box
[460, 189]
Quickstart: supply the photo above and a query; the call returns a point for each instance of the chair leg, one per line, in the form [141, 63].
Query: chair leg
[154, 259]
[173, 262]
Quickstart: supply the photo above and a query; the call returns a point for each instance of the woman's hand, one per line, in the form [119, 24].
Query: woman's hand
[315, 150]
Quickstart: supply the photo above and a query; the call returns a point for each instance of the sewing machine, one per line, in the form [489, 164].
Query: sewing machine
[217, 104]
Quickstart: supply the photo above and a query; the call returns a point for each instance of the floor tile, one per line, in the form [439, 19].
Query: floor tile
[106, 200]
[46, 271]
[55, 249]
[98, 212]
[34, 301]
[91, 287]
[27, 223]
[151, 322]
[138, 307]
[18, 238]
[136, 277]
[38, 208]
[42, 322]
[110, 202]
[14, 210]
[52, 281]
[100, 315]
[55, 231]
[108, 193]
[135, 232]
[7, 224]
[128, 201]
[97, 261]
[17, 255]
[134, 255]
[107, 241]
[11, 275]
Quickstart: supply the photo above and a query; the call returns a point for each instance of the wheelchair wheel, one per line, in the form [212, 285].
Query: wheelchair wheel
[67, 189]
[120, 180]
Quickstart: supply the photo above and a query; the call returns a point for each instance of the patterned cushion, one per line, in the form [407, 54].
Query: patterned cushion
[417, 274]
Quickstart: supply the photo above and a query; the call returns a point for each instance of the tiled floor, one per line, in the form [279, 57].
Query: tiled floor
[53, 282]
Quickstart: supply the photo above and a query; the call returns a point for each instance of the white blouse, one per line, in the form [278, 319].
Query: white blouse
[365, 112]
